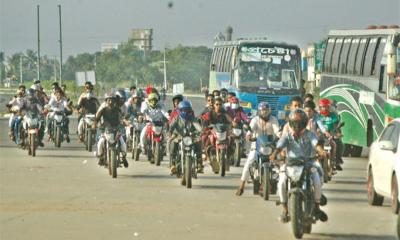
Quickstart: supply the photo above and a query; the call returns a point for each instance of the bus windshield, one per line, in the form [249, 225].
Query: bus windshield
[394, 86]
[267, 75]
[267, 67]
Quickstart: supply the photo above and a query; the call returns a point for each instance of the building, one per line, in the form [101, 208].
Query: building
[142, 38]
[107, 47]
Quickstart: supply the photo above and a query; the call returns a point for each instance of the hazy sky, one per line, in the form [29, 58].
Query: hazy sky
[88, 23]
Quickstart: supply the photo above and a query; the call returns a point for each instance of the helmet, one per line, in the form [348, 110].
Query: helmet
[234, 102]
[178, 97]
[35, 87]
[153, 100]
[120, 94]
[108, 96]
[298, 120]
[185, 110]
[30, 93]
[324, 105]
[149, 90]
[263, 110]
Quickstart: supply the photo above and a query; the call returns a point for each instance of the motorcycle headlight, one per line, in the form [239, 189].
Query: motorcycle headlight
[110, 137]
[265, 150]
[327, 147]
[294, 172]
[58, 118]
[157, 130]
[32, 121]
[237, 132]
[281, 115]
[187, 141]
[221, 136]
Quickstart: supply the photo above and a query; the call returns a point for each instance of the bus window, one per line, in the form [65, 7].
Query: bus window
[336, 55]
[369, 57]
[360, 57]
[228, 62]
[378, 57]
[216, 57]
[344, 55]
[328, 55]
[352, 56]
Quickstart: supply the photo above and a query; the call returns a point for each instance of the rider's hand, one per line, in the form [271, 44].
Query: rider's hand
[248, 137]
[272, 157]
[94, 126]
[327, 134]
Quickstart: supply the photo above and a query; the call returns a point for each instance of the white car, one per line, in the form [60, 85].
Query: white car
[384, 167]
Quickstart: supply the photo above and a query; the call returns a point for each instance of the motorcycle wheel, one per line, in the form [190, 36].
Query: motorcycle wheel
[296, 214]
[113, 159]
[135, 148]
[238, 154]
[307, 228]
[57, 140]
[157, 153]
[188, 171]
[325, 167]
[222, 161]
[85, 140]
[89, 141]
[256, 186]
[266, 184]
[32, 144]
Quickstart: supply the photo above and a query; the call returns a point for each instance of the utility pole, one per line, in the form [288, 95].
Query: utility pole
[55, 68]
[61, 56]
[20, 69]
[38, 42]
[165, 71]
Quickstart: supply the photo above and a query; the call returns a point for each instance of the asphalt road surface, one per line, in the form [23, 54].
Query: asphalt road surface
[63, 194]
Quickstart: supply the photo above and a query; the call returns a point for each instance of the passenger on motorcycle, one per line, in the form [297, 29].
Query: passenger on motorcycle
[15, 106]
[330, 120]
[314, 122]
[112, 116]
[236, 111]
[262, 124]
[153, 111]
[185, 117]
[58, 103]
[87, 104]
[224, 95]
[300, 144]
[120, 97]
[209, 105]
[175, 112]
[295, 103]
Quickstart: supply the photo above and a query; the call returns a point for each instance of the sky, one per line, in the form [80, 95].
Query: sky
[88, 23]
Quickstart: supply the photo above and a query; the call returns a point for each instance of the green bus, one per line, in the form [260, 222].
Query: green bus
[361, 70]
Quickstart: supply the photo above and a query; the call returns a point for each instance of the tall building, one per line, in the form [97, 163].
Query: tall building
[142, 38]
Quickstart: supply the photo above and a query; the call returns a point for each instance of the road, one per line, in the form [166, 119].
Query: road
[64, 194]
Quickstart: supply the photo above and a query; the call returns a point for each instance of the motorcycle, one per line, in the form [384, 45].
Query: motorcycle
[187, 160]
[264, 174]
[18, 131]
[328, 163]
[57, 127]
[137, 125]
[90, 133]
[301, 196]
[237, 142]
[217, 150]
[111, 150]
[154, 147]
[32, 125]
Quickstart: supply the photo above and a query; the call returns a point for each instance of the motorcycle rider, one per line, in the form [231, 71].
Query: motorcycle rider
[330, 121]
[300, 144]
[33, 105]
[153, 111]
[57, 102]
[209, 105]
[87, 89]
[111, 115]
[185, 116]
[120, 96]
[224, 95]
[175, 112]
[16, 105]
[87, 104]
[314, 122]
[262, 124]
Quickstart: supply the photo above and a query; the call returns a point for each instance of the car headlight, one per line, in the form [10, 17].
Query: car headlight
[187, 141]
[294, 172]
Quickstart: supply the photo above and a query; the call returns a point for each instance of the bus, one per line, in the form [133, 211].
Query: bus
[361, 74]
[257, 70]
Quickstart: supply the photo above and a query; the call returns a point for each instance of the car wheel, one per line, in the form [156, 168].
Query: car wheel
[395, 194]
[373, 198]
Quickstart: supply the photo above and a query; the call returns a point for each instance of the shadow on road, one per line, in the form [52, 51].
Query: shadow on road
[216, 187]
[336, 190]
[350, 236]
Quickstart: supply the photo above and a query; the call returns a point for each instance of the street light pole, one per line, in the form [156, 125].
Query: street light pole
[20, 68]
[61, 56]
[165, 71]
[38, 42]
